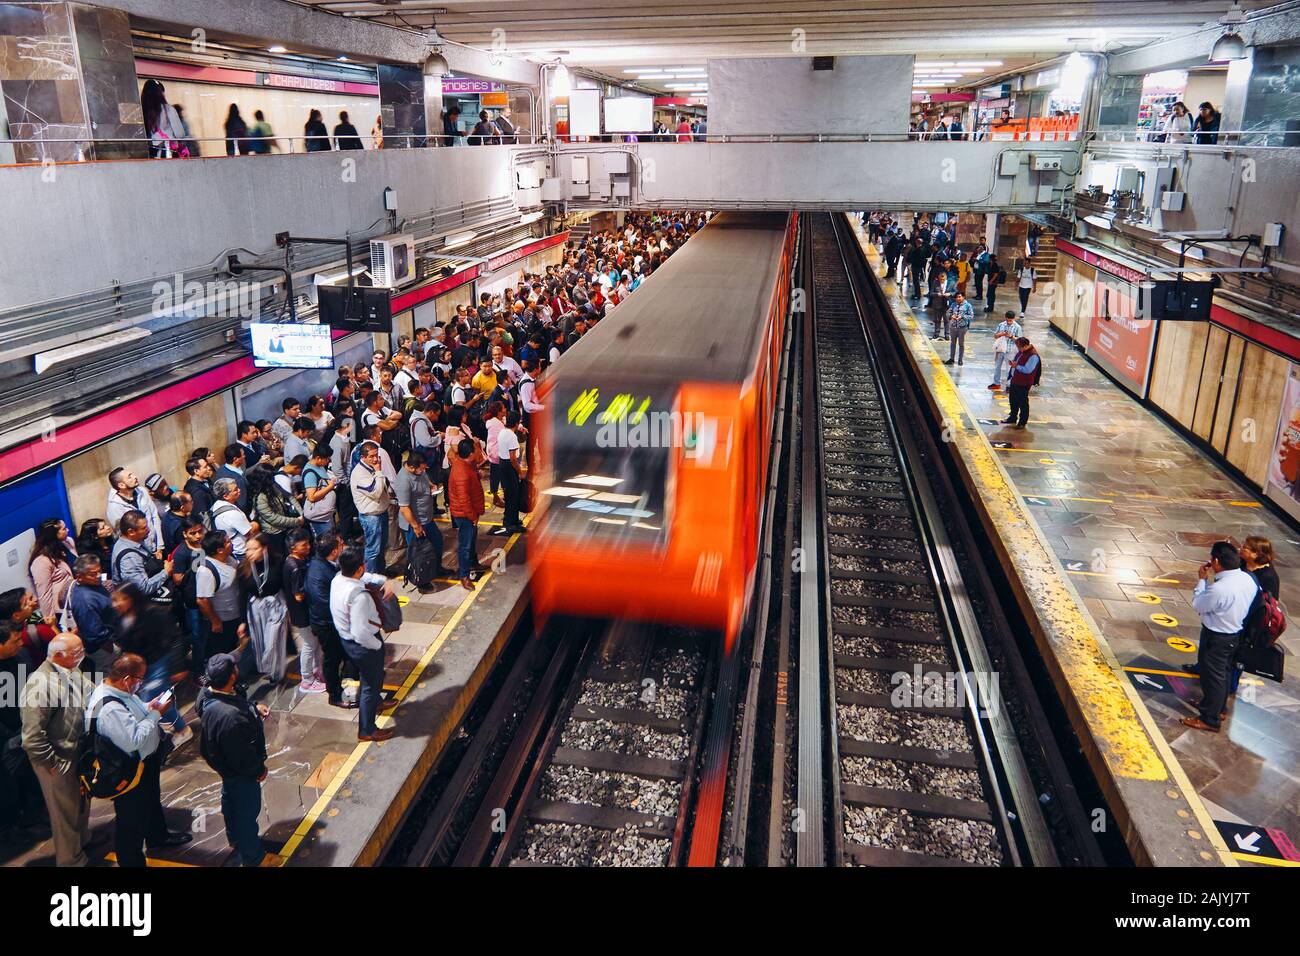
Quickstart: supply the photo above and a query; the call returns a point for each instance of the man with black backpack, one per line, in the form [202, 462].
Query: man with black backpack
[116, 714]
[132, 563]
[416, 510]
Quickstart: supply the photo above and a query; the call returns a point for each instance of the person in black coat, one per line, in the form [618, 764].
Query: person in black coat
[234, 745]
[318, 137]
[346, 135]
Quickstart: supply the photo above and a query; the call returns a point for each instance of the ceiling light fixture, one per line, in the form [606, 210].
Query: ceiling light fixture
[1230, 46]
[276, 49]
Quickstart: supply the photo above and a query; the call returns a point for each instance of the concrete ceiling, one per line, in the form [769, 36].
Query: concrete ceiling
[615, 36]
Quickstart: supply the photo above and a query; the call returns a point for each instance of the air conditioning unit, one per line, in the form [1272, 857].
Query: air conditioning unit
[392, 261]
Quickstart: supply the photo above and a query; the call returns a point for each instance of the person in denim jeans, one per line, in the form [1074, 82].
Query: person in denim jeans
[959, 317]
[465, 497]
[370, 493]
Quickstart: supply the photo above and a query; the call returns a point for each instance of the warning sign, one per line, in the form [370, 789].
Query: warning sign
[1249, 842]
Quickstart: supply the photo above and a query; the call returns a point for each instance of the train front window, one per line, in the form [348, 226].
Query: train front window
[612, 456]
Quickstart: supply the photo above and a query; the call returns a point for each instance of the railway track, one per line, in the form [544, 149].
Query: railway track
[602, 769]
[919, 767]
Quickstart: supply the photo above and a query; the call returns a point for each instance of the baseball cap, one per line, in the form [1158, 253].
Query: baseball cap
[219, 669]
[155, 482]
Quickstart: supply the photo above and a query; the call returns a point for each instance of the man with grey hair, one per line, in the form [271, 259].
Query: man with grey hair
[127, 494]
[227, 517]
[131, 563]
[53, 706]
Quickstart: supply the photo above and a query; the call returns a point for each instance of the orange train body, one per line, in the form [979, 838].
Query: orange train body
[667, 534]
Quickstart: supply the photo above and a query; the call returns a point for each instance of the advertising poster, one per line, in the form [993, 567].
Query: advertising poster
[1283, 483]
[1120, 340]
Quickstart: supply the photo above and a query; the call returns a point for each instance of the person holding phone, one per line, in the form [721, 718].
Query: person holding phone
[133, 726]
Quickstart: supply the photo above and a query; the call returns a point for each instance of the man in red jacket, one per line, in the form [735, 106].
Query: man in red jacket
[1026, 370]
[465, 502]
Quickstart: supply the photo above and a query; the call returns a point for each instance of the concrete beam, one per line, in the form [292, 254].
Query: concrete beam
[1192, 48]
[300, 28]
[491, 65]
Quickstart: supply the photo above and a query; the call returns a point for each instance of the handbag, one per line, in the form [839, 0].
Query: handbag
[1262, 661]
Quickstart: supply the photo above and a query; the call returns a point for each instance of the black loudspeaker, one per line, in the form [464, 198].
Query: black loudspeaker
[358, 309]
[823, 63]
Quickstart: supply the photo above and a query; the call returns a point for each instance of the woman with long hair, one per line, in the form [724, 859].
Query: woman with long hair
[150, 630]
[236, 132]
[96, 537]
[162, 123]
[268, 613]
[50, 565]
[278, 511]
[316, 133]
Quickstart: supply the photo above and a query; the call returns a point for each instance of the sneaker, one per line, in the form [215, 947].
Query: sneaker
[1022, 315]
[311, 687]
[182, 737]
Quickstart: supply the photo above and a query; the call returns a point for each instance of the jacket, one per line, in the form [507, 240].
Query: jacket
[233, 741]
[465, 489]
[51, 579]
[320, 573]
[128, 564]
[116, 507]
[53, 703]
[279, 513]
[1025, 366]
[154, 634]
[92, 610]
[369, 490]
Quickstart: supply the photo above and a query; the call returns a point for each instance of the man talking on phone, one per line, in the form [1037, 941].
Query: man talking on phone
[1222, 598]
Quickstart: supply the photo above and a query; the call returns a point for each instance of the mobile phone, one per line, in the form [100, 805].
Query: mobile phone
[166, 696]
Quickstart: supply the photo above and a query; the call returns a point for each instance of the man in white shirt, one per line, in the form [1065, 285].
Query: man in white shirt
[227, 517]
[1223, 598]
[370, 494]
[356, 618]
[510, 460]
[125, 495]
[408, 379]
[502, 361]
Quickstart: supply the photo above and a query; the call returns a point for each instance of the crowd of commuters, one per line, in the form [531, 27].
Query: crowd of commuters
[278, 544]
[926, 259]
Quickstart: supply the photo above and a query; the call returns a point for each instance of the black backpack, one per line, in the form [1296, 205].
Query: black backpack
[423, 564]
[104, 769]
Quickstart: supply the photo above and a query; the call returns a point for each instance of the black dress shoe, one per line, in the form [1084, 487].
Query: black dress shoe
[1191, 668]
[173, 838]
[1007, 421]
[344, 704]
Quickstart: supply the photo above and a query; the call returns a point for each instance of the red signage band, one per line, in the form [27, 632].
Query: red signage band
[409, 300]
[523, 252]
[1116, 269]
[226, 77]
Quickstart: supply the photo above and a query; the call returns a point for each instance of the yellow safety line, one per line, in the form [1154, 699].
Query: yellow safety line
[1111, 574]
[1150, 670]
[318, 808]
[111, 857]
[1128, 756]
[1037, 451]
[1266, 860]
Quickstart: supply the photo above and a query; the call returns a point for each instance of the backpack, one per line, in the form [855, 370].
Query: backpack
[527, 496]
[104, 769]
[1038, 372]
[1265, 621]
[423, 564]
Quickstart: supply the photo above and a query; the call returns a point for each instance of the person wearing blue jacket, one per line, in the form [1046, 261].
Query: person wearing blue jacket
[92, 611]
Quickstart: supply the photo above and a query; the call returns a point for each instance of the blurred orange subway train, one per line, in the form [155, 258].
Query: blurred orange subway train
[656, 437]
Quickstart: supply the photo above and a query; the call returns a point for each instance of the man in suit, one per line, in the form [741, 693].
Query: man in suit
[236, 462]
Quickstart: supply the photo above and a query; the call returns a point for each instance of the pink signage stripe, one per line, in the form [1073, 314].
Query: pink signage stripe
[70, 439]
[195, 74]
[78, 436]
[1283, 844]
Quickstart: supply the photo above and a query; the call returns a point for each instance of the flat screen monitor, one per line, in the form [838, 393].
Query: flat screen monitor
[292, 346]
[629, 114]
[358, 309]
[1180, 300]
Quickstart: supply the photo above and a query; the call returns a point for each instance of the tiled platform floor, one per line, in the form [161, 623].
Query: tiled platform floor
[307, 741]
[1130, 507]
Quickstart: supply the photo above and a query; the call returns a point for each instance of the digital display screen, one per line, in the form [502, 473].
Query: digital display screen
[292, 346]
[613, 453]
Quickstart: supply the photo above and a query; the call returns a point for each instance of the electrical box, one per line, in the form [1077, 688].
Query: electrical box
[526, 177]
[622, 189]
[1271, 237]
[1044, 163]
[1045, 191]
[1126, 179]
[552, 190]
[617, 163]
[579, 172]
[1009, 164]
[1172, 201]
